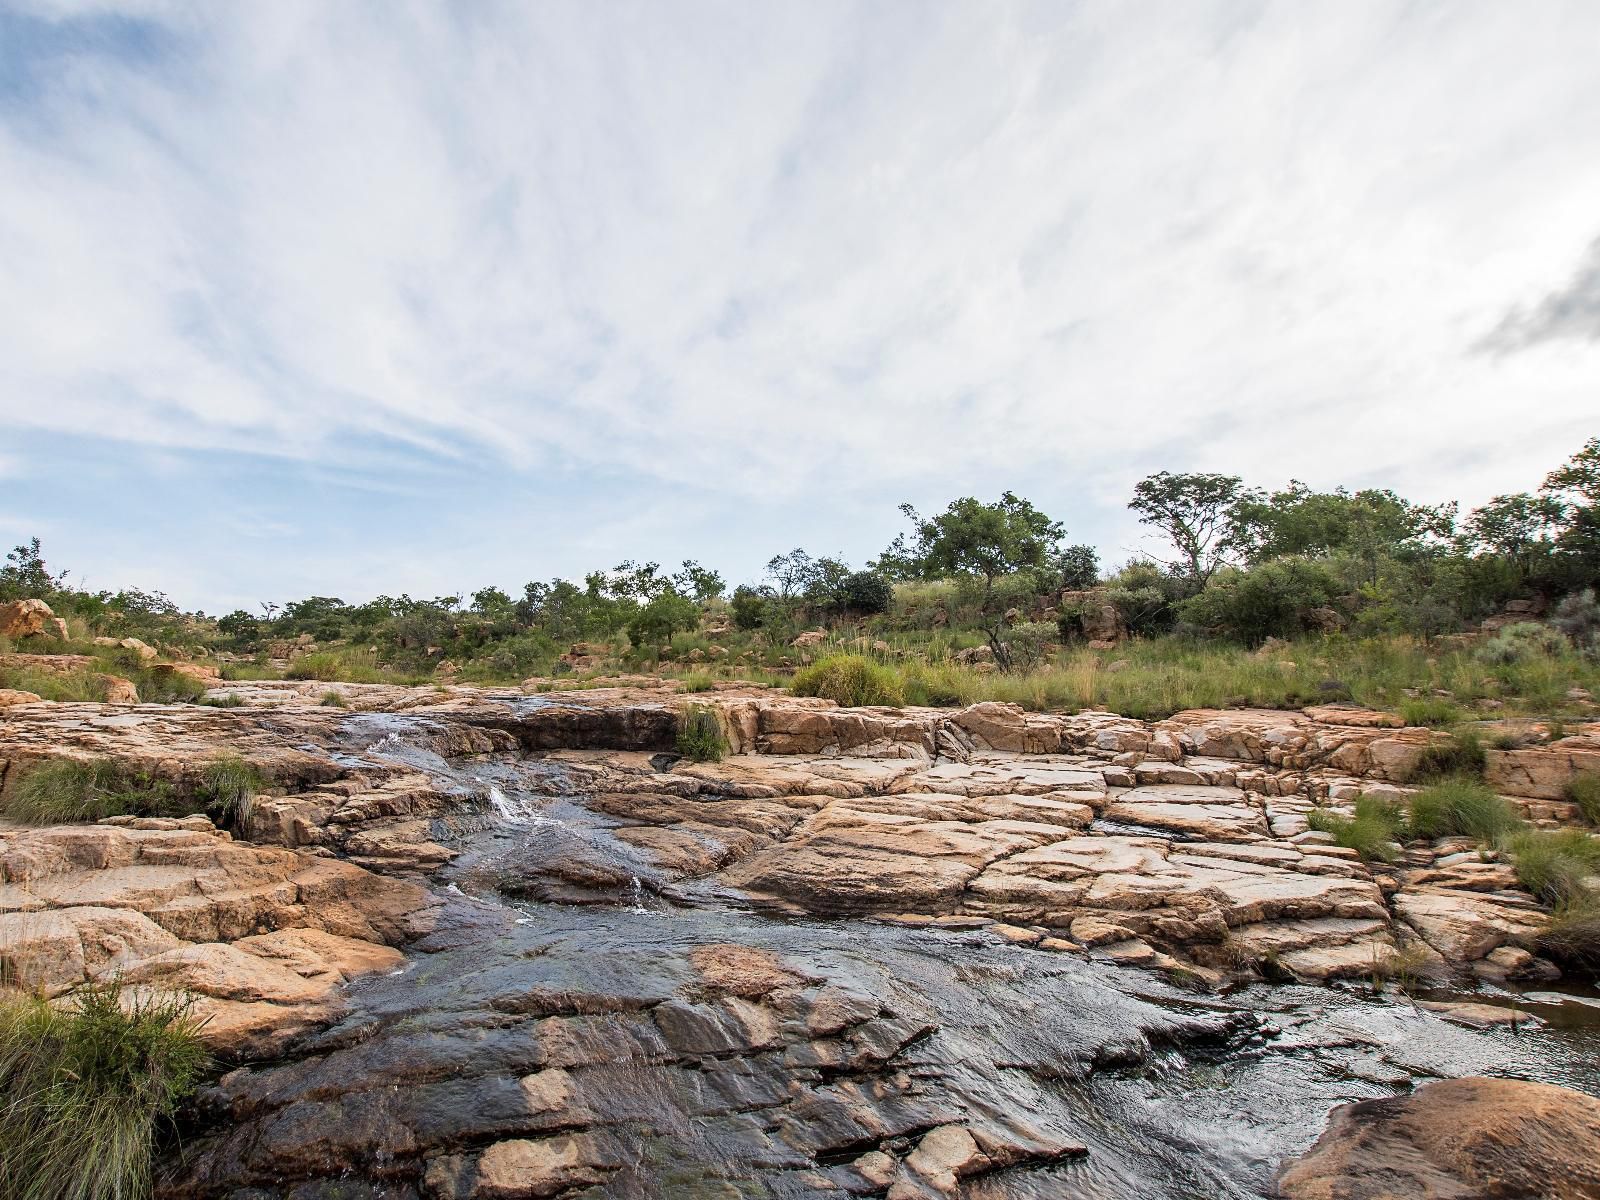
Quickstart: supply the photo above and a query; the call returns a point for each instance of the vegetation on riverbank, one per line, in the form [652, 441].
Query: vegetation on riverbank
[87, 1089]
[1267, 598]
[82, 790]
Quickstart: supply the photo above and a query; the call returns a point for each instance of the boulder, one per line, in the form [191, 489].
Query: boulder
[28, 618]
[1460, 1139]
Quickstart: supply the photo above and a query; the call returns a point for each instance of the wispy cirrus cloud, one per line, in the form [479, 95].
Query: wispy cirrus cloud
[826, 255]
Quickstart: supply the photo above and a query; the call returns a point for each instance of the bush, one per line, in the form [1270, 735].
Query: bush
[749, 608]
[1026, 644]
[1583, 789]
[700, 736]
[1371, 833]
[1520, 642]
[865, 593]
[1461, 807]
[1274, 599]
[850, 680]
[86, 1090]
[1578, 616]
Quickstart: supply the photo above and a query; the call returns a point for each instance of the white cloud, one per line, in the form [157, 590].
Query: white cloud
[771, 249]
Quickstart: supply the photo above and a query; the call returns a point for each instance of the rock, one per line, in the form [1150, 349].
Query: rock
[1480, 1016]
[11, 696]
[811, 637]
[263, 938]
[27, 618]
[1458, 1139]
[520, 1169]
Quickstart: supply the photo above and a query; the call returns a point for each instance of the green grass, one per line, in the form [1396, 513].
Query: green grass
[333, 700]
[1461, 807]
[1462, 755]
[696, 681]
[228, 701]
[851, 680]
[87, 1090]
[1430, 710]
[1583, 789]
[1372, 832]
[1553, 863]
[700, 736]
[65, 688]
[229, 786]
[338, 666]
[72, 790]
[67, 791]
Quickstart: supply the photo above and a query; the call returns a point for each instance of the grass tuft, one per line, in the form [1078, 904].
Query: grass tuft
[1462, 807]
[1429, 710]
[700, 736]
[1463, 755]
[1583, 789]
[1555, 864]
[851, 680]
[229, 787]
[1371, 833]
[331, 699]
[86, 1089]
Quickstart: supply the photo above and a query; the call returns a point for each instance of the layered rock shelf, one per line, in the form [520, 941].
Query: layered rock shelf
[534, 901]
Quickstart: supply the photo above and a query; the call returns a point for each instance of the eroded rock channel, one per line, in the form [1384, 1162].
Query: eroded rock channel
[490, 945]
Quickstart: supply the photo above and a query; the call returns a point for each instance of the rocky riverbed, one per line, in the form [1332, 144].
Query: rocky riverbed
[480, 943]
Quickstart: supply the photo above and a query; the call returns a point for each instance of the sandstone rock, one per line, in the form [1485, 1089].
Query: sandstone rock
[11, 696]
[26, 618]
[811, 637]
[1456, 1140]
[521, 1169]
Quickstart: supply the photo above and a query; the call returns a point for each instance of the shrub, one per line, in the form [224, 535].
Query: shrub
[1461, 755]
[1371, 833]
[1274, 599]
[1026, 644]
[1461, 807]
[1521, 642]
[87, 1089]
[1583, 789]
[851, 680]
[700, 736]
[865, 593]
[749, 608]
[1578, 616]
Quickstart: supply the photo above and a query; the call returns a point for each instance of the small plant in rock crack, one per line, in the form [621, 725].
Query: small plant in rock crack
[700, 736]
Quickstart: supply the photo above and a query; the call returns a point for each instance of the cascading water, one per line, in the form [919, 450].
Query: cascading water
[562, 992]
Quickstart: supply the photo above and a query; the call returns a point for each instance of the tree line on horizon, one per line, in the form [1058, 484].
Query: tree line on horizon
[1241, 563]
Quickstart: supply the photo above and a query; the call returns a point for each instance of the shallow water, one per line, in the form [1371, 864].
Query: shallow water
[561, 944]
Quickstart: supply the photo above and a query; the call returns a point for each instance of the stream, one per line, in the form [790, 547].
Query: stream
[563, 994]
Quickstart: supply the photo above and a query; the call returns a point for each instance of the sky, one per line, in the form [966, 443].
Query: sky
[350, 298]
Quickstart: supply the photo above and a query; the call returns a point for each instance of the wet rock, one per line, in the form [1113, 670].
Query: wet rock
[1455, 1140]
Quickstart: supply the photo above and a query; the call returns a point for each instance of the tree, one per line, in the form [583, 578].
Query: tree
[25, 575]
[1576, 485]
[1274, 599]
[791, 572]
[1077, 568]
[699, 583]
[984, 541]
[661, 618]
[1298, 521]
[1193, 510]
[1518, 527]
